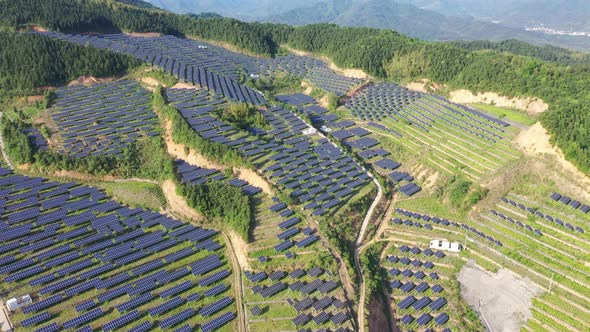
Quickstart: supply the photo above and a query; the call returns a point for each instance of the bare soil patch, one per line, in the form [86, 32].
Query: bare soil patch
[182, 85]
[177, 204]
[254, 179]
[424, 85]
[38, 28]
[503, 299]
[151, 83]
[530, 105]
[426, 176]
[144, 34]
[90, 80]
[196, 159]
[347, 72]
[535, 142]
[240, 248]
[32, 99]
[308, 88]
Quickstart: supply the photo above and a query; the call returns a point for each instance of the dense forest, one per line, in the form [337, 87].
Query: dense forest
[554, 75]
[28, 61]
[220, 200]
[546, 52]
[109, 16]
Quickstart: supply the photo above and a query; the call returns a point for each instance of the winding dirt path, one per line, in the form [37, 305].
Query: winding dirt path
[177, 204]
[194, 158]
[178, 208]
[357, 260]
[238, 283]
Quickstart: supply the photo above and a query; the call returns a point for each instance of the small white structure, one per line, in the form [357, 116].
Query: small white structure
[254, 75]
[309, 131]
[16, 303]
[326, 129]
[202, 46]
[446, 245]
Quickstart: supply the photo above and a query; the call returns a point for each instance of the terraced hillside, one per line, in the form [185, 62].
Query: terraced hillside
[102, 119]
[451, 138]
[325, 178]
[90, 263]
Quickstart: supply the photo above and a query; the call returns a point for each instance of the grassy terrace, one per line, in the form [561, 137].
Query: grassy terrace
[445, 147]
[135, 194]
[277, 313]
[559, 253]
[65, 309]
[507, 113]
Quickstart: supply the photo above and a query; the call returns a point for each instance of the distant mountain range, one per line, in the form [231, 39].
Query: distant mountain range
[548, 21]
[564, 15]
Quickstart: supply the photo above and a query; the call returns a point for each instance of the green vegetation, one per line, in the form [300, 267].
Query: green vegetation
[17, 145]
[376, 276]
[29, 61]
[156, 73]
[507, 113]
[145, 158]
[135, 194]
[341, 229]
[278, 84]
[182, 133]
[221, 200]
[243, 116]
[545, 52]
[459, 193]
[108, 16]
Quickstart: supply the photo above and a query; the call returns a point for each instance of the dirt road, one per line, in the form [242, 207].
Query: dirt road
[357, 261]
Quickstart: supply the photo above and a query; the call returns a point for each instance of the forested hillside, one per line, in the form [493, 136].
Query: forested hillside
[28, 61]
[382, 53]
[108, 16]
[546, 52]
[390, 55]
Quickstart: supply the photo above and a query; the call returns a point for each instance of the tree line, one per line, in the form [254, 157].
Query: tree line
[113, 17]
[510, 68]
[29, 61]
[216, 199]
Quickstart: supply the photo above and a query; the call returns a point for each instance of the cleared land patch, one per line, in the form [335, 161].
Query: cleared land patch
[504, 299]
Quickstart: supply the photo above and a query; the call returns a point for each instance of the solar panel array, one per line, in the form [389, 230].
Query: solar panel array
[194, 175]
[417, 292]
[539, 214]
[102, 119]
[36, 138]
[210, 67]
[311, 69]
[387, 99]
[314, 298]
[320, 176]
[570, 202]
[430, 222]
[92, 255]
[447, 136]
[352, 136]
[213, 67]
